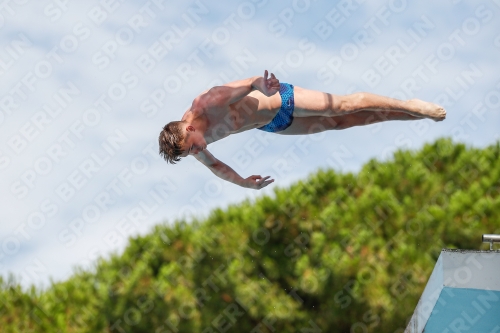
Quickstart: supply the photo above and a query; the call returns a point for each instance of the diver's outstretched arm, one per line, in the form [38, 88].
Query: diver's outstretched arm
[223, 171]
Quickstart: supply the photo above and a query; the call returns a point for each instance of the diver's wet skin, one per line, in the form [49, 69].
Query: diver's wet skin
[266, 104]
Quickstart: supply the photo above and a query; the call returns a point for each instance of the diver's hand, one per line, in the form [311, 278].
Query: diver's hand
[256, 182]
[268, 86]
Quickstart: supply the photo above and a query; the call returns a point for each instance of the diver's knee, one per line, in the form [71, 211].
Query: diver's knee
[352, 102]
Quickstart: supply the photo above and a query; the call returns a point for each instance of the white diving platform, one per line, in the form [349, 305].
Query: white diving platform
[461, 296]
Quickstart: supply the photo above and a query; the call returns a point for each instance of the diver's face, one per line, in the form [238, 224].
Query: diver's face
[194, 142]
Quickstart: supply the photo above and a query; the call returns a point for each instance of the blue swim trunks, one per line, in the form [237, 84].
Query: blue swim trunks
[284, 117]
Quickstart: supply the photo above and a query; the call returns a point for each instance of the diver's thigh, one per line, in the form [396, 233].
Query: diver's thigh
[310, 103]
[310, 125]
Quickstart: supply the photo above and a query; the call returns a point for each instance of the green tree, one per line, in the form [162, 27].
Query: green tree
[332, 253]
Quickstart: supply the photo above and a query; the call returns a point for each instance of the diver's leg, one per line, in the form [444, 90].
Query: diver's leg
[315, 124]
[315, 103]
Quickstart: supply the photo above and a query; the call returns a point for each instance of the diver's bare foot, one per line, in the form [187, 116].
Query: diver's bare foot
[427, 110]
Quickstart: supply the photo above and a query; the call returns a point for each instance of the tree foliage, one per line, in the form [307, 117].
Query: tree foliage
[332, 253]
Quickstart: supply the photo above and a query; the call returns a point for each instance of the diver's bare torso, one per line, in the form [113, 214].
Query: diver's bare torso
[252, 111]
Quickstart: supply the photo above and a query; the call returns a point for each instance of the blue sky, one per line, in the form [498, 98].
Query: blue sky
[86, 88]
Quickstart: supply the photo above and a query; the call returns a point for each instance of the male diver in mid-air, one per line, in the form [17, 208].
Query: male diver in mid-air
[255, 103]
